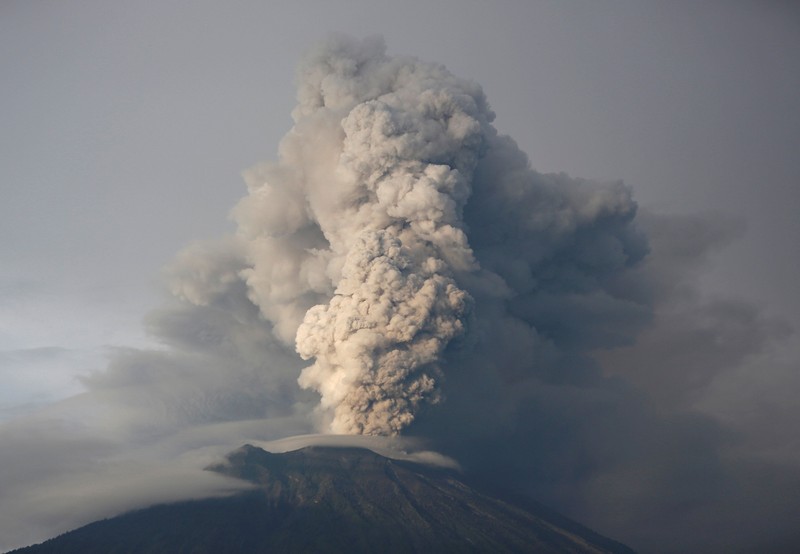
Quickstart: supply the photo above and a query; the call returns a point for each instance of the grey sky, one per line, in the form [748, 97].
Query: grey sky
[124, 127]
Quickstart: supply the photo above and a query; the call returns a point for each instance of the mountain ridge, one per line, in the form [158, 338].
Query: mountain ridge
[335, 499]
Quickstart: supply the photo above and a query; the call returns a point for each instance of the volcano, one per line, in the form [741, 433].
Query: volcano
[325, 499]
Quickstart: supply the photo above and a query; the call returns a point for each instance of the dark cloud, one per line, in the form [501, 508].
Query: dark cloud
[662, 419]
[692, 338]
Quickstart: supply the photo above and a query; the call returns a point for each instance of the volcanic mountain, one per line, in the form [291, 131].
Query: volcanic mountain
[323, 499]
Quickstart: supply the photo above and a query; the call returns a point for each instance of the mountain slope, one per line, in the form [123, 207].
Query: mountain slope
[335, 500]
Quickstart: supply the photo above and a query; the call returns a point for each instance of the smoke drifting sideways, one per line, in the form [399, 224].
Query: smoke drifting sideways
[401, 268]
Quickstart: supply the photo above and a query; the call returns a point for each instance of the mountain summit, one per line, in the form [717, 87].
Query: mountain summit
[323, 499]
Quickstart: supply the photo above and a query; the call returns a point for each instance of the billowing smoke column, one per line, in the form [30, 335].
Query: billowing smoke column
[366, 203]
[354, 245]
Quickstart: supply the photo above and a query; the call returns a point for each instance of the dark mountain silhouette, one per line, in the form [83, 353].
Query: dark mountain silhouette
[335, 500]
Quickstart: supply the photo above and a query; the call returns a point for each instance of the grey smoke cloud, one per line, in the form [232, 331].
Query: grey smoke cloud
[402, 268]
[366, 202]
[361, 241]
[646, 424]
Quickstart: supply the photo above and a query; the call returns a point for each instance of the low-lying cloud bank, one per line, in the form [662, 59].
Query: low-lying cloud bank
[402, 268]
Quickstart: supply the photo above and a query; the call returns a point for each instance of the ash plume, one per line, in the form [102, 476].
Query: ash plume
[356, 244]
[355, 238]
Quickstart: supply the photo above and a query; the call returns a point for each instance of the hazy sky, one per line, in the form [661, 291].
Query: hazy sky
[125, 127]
